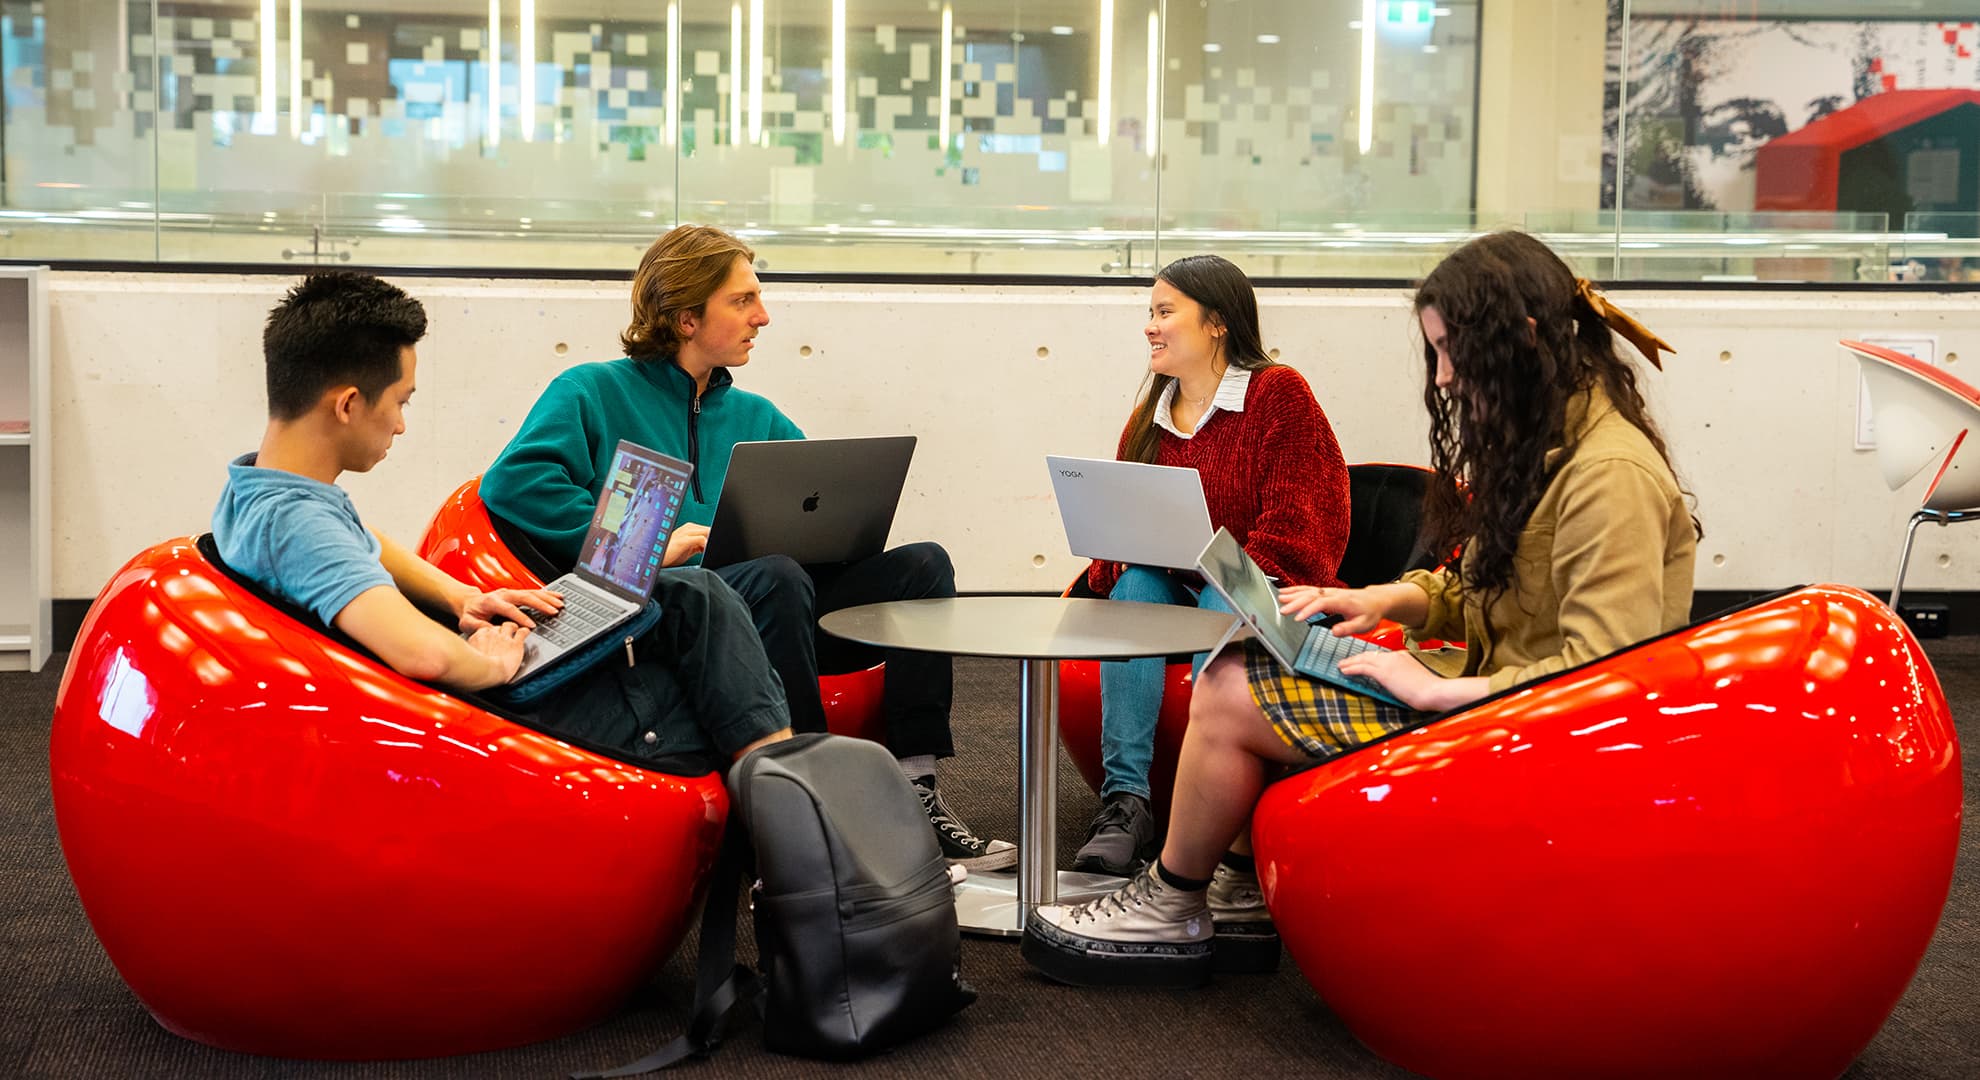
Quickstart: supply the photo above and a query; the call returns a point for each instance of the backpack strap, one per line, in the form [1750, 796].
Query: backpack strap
[720, 984]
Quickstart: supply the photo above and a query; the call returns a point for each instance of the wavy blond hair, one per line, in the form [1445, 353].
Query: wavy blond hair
[677, 274]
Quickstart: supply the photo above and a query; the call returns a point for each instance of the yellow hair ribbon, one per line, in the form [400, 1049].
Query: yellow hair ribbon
[1622, 322]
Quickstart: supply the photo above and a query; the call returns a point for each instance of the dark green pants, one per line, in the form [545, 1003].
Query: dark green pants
[699, 681]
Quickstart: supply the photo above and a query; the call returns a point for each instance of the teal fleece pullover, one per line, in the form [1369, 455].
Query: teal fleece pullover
[547, 480]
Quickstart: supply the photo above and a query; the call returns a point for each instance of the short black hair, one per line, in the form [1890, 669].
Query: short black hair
[333, 329]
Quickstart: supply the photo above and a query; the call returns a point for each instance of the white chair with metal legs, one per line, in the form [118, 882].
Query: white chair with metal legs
[1923, 417]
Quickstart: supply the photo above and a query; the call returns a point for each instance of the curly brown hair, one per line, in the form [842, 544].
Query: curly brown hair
[677, 275]
[1507, 406]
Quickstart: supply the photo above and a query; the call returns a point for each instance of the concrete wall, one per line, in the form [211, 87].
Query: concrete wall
[157, 382]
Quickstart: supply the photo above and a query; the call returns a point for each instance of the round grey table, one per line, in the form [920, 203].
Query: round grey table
[1039, 631]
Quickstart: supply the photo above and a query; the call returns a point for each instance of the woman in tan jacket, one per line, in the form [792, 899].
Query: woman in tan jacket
[1577, 541]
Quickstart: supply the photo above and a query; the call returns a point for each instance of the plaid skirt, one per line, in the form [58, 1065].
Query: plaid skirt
[1314, 718]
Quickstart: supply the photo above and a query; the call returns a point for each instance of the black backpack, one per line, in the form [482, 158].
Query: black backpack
[857, 942]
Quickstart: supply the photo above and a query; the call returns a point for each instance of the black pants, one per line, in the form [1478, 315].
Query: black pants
[700, 683]
[785, 600]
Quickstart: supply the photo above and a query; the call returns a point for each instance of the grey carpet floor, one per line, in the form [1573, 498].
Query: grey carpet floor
[65, 1013]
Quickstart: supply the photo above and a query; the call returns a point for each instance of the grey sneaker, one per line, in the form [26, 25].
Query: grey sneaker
[1234, 897]
[1120, 838]
[1247, 942]
[1146, 933]
[959, 845]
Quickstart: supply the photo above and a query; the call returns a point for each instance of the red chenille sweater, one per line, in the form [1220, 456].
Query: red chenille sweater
[1273, 475]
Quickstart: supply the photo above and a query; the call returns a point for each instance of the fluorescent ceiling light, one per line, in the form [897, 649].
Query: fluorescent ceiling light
[295, 69]
[838, 72]
[265, 121]
[1367, 133]
[945, 73]
[494, 72]
[673, 71]
[735, 74]
[1154, 120]
[1105, 110]
[526, 70]
[755, 70]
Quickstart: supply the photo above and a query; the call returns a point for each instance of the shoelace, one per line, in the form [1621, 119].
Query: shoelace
[938, 812]
[1140, 889]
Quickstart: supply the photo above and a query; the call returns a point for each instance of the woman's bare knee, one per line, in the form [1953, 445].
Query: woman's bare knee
[1221, 702]
[1223, 712]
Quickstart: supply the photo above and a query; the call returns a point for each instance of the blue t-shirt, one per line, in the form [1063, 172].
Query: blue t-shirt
[296, 537]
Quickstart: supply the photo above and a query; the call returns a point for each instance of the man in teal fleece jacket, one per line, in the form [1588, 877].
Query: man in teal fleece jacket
[697, 307]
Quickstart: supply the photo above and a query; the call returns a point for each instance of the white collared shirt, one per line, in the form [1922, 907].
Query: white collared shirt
[1229, 397]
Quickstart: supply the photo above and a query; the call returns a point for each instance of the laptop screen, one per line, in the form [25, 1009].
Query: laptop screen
[1253, 594]
[633, 518]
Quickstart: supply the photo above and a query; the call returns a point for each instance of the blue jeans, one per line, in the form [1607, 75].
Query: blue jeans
[1131, 690]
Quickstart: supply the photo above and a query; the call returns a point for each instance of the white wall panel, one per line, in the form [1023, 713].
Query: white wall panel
[158, 381]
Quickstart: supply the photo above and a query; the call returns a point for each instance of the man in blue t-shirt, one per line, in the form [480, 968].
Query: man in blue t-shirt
[339, 352]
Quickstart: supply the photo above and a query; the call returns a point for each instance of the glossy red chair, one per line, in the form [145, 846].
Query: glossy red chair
[1718, 853]
[464, 540]
[1386, 504]
[287, 848]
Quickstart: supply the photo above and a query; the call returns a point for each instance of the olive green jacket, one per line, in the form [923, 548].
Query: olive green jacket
[1604, 561]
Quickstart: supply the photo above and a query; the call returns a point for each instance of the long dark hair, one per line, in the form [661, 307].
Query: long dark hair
[1225, 294]
[1508, 403]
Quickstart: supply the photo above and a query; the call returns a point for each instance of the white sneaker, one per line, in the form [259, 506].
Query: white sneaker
[1146, 933]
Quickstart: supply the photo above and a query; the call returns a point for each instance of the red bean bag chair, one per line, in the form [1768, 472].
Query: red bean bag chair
[471, 544]
[288, 848]
[1717, 853]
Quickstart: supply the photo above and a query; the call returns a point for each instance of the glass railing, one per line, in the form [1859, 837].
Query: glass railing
[1336, 139]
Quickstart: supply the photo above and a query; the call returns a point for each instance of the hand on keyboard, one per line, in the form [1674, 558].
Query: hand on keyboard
[525, 606]
[504, 644]
[579, 616]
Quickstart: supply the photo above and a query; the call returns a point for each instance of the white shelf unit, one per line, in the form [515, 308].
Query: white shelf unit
[25, 525]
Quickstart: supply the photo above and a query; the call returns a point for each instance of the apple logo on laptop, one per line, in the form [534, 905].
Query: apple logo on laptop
[811, 502]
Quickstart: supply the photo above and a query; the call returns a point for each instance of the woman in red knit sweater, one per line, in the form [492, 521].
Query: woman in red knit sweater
[1272, 474]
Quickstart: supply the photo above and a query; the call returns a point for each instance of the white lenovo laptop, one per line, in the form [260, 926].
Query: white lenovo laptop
[815, 500]
[1127, 512]
[1308, 648]
[620, 557]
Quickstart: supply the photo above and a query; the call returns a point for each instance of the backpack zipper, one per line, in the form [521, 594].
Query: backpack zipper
[906, 907]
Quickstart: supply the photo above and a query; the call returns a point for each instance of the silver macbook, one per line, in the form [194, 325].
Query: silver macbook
[815, 500]
[619, 559]
[1124, 511]
[1308, 648]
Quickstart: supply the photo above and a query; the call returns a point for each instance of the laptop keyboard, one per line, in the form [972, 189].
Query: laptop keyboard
[1324, 652]
[583, 616]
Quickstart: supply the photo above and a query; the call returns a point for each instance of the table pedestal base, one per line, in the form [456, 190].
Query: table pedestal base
[987, 902]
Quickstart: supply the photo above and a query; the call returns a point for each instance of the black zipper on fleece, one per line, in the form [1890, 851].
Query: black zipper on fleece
[694, 439]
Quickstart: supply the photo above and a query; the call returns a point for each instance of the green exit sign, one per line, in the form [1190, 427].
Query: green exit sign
[1408, 13]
